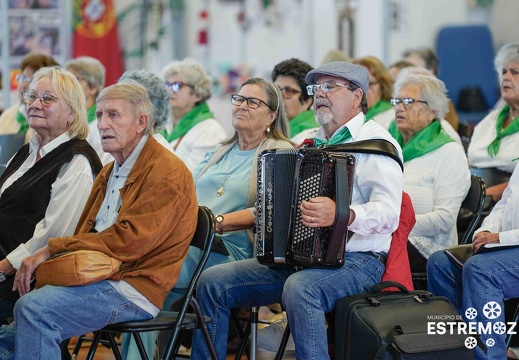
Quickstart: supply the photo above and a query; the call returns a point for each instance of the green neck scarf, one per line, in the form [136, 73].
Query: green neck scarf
[512, 128]
[337, 138]
[303, 121]
[22, 121]
[198, 114]
[379, 107]
[426, 140]
[91, 113]
[393, 130]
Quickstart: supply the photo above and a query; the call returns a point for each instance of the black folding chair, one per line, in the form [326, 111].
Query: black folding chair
[179, 322]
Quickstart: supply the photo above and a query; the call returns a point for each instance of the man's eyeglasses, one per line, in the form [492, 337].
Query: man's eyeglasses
[407, 102]
[288, 92]
[176, 86]
[252, 102]
[21, 78]
[45, 99]
[326, 87]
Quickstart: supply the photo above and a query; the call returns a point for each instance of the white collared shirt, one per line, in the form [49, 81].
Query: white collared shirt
[68, 197]
[377, 190]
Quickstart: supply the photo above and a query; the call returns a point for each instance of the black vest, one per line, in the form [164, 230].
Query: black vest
[23, 204]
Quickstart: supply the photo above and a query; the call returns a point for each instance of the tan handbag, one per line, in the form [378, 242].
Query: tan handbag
[76, 268]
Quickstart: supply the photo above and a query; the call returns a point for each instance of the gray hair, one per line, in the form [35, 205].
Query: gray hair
[132, 92]
[505, 54]
[157, 92]
[279, 127]
[432, 90]
[90, 69]
[194, 74]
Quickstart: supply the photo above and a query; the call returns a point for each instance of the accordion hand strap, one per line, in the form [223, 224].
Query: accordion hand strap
[374, 146]
[342, 212]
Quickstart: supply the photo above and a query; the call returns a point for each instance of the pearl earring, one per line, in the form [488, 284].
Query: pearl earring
[268, 128]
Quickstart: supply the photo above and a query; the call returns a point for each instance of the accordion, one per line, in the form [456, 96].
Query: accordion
[286, 177]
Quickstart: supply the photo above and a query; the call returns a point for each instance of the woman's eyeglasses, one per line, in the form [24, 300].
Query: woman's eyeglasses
[288, 92]
[177, 85]
[45, 99]
[407, 102]
[252, 102]
[21, 78]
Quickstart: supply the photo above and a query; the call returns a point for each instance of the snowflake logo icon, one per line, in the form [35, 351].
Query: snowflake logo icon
[499, 328]
[491, 310]
[490, 342]
[470, 342]
[471, 313]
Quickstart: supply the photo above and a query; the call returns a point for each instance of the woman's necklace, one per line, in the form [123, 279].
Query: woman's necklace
[221, 189]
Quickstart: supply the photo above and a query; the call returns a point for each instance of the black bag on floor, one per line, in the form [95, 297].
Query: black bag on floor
[399, 325]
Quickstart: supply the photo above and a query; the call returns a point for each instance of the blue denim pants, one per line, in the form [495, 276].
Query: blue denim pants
[47, 316]
[485, 282]
[306, 296]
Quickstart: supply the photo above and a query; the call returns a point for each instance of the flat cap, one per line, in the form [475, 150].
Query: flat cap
[354, 73]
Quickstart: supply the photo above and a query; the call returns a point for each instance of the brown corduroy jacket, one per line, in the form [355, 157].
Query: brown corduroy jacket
[156, 222]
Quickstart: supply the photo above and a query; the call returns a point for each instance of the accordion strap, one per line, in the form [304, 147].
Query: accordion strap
[342, 212]
[374, 146]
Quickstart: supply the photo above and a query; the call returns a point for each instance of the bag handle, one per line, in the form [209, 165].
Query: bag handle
[377, 288]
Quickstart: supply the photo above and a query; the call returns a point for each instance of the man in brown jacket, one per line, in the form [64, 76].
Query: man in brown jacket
[142, 211]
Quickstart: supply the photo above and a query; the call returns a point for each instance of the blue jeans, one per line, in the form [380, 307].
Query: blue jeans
[129, 349]
[488, 277]
[47, 316]
[306, 295]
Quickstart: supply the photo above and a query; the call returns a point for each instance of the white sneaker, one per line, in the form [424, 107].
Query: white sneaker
[270, 337]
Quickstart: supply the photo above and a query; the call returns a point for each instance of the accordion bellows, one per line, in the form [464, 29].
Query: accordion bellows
[286, 177]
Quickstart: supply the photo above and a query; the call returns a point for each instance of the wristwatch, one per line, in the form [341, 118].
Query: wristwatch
[2, 276]
[219, 224]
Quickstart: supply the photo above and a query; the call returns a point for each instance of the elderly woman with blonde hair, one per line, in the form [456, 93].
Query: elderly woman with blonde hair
[47, 182]
[195, 131]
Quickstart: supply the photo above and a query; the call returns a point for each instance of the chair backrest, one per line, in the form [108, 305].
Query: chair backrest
[202, 239]
[466, 60]
[9, 145]
[471, 209]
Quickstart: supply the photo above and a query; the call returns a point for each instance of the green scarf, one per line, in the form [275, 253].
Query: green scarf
[91, 113]
[336, 139]
[493, 148]
[424, 141]
[393, 130]
[23, 123]
[198, 114]
[303, 121]
[379, 107]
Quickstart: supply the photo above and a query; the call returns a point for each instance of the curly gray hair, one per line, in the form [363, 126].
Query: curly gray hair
[194, 74]
[157, 92]
[505, 54]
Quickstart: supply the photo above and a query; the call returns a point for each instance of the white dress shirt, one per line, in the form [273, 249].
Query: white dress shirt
[377, 190]
[504, 218]
[68, 197]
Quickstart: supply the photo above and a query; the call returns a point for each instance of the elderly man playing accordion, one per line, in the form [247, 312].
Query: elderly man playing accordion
[339, 90]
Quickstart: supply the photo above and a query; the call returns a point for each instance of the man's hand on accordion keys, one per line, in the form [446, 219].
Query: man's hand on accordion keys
[318, 212]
